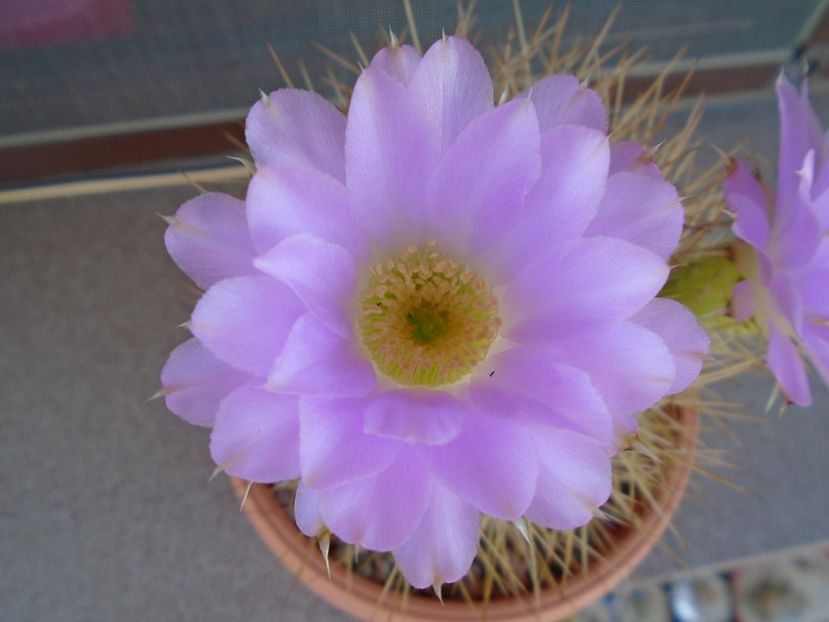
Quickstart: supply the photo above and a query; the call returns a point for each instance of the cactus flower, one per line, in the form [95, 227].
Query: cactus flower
[785, 255]
[432, 308]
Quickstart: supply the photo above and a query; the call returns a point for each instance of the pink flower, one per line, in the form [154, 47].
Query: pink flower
[787, 266]
[433, 308]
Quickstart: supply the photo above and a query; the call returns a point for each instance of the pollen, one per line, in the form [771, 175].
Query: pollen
[426, 319]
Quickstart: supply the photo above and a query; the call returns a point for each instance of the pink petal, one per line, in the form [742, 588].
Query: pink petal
[640, 209]
[532, 384]
[574, 478]
[478, 189]
[450, 88]
[256, 436]
[799, 132]
[743, 301]
[389, 157]
[631, 367]
[751, 224]
[746, 198]
[816, 342]
[245, 321]
[563, 200]
[563, 100]
[814, 287]
[491, 465]
[442, 547]
[208, 239]
[742, 181]
[630, 157]
[195, 382]
[788, 300]
[307, 511]
[785, 363]
[333, 447]
[796, 233]
[285, 199]
[399, 61]
[416, 416]
[682, 333]
[821, 202]
[574, 172]
[299, 127]
[317, 361]
[321, 274]
[821, 362]
[381, 511]
[821, 183]
[598, 281]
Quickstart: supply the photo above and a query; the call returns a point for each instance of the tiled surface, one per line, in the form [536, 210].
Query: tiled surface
[785, 586]
[105, 509]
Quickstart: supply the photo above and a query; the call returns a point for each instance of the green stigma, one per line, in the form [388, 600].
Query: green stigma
[425, 319]
[428, 323]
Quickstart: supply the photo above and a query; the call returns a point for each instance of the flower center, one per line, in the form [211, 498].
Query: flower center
[426, 320]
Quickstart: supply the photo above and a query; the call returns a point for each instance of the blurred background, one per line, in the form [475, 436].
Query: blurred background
[110, 111]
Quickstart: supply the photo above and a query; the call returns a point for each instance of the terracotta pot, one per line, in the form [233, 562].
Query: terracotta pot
[363, 598]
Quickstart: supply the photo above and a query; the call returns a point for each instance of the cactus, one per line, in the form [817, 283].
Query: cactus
[516, 559]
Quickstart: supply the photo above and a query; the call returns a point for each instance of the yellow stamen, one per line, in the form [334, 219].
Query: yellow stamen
[425, 319]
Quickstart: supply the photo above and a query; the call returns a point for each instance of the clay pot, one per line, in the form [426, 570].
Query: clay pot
[363, 599]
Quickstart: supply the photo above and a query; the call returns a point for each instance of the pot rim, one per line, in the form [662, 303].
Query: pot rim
[363, 598]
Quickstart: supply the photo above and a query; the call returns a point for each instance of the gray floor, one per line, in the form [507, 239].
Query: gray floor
[105, 509]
